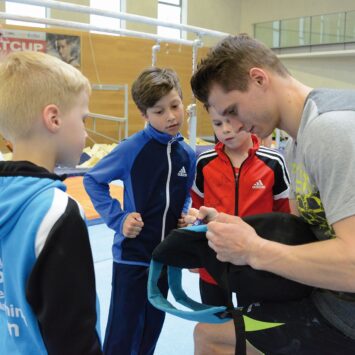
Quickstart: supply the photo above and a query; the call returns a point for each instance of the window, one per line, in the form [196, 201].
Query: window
[268, 33]
[25, 10]
[107, 22]
[169, 10]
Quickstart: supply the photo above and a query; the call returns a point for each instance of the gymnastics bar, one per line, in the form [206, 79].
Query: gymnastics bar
[112, 87]
[107, 118]
[199, 31]
[88, 27]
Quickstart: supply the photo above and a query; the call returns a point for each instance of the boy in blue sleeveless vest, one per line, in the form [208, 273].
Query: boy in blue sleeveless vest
[157, 169]
[47, 283]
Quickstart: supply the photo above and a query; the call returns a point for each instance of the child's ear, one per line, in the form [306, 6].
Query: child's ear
[144, 115]
[51, 118]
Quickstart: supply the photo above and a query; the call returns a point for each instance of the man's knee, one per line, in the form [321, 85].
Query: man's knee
[202, 340]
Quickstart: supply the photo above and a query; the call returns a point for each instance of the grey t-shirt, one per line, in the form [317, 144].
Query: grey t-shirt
[322, 169]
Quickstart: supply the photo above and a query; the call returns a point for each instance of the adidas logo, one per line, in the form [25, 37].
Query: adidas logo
[182, 172]
[258, 185]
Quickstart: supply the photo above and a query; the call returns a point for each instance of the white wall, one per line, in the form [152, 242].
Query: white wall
[219, 15]
[254, 11]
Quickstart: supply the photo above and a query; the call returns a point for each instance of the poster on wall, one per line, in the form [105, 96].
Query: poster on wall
[65, 47]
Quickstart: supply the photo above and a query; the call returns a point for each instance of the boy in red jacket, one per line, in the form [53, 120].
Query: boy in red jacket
[240, 178]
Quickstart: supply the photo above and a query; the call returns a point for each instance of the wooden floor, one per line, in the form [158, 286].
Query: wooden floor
[77, 191]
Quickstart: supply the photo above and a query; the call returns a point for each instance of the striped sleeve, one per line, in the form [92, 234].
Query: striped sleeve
[275, 161]
[202, 161]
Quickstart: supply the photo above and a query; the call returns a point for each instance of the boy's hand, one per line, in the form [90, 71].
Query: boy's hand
[205, 214]
[191, 216]
[181, 221]
[133, 225]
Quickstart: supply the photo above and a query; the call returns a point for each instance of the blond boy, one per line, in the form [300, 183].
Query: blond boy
[47, 284]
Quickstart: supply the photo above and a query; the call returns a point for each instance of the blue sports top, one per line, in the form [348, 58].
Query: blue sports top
[47, 280]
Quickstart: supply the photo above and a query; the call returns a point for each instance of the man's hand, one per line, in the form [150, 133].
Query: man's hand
[232, 239]
[133, 225]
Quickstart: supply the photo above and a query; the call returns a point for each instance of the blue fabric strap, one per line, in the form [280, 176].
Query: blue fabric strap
[200, 312]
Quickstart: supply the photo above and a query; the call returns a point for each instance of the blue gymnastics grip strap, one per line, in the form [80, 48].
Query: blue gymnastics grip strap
[199, 312]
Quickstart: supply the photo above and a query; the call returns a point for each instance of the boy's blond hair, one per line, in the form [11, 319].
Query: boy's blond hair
[29, 81]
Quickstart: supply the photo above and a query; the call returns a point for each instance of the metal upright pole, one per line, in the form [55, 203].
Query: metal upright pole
[192, 107]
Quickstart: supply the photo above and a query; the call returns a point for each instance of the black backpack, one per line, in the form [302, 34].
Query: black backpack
[188, 248]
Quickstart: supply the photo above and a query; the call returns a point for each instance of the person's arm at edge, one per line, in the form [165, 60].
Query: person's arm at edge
[328, 264]
[96, 182]
[314, 263]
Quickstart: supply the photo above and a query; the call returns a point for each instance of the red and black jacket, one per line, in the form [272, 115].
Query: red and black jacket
[262, 185]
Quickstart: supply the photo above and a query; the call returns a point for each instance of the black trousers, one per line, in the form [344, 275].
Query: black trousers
[134, 325]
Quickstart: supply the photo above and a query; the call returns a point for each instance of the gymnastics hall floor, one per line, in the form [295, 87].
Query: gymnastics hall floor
[177, 334]
[75, 189]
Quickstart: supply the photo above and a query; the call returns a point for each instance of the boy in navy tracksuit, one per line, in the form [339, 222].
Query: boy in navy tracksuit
[47, 280]
[157, 169]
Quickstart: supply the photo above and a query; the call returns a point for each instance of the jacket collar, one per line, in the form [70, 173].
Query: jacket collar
[161, 137]
[26, 168]
[219, 147]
